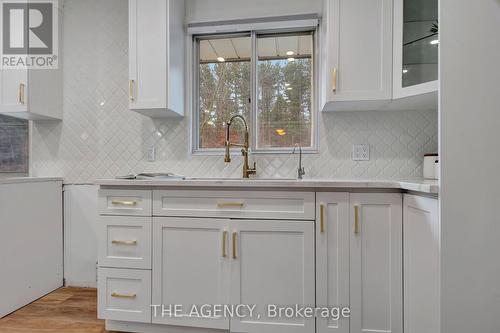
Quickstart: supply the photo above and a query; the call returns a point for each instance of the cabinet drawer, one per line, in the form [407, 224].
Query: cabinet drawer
[236, 204]
[125, 242]
[124, 294]
[125, 202]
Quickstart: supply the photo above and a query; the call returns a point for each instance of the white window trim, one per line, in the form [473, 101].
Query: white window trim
[265, 27]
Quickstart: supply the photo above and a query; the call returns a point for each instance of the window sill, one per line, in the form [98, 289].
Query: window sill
[221, 152]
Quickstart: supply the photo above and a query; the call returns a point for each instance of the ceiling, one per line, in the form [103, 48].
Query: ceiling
[269, 47]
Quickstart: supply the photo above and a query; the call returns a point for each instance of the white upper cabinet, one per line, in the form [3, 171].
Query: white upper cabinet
[379, 55]
[416, 46]
[156, 57]
[32, 93]
[13, 85]
[356, 54]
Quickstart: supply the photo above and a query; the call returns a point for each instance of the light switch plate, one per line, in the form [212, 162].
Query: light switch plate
[361, 152]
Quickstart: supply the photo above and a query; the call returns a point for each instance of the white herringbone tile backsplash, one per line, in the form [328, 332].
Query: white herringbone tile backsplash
[101, 138]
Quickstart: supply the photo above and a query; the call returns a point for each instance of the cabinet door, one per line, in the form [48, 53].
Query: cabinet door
[272, 264]
[332, 258]
[190, 267]
[416, 47]
[148, 54]
[358, 41]
[13, 86]
[13, 90]
[421, 264]
[376, 263]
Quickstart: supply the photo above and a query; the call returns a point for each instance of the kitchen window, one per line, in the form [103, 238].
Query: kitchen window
[14, 144]
[265, 77]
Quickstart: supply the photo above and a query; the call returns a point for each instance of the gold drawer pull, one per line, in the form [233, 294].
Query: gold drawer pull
[230, 204]
[21, 93]
[334, 80]
[116, 295]
[356, 219]
[124, 203]
[235, 245]
[124, 242]
[322, 218]
[131, 84]
[224, 244]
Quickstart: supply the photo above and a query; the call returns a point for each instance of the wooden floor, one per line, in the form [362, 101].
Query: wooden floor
[67, 310]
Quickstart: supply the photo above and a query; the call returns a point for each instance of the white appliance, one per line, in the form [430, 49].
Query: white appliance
[31, 241]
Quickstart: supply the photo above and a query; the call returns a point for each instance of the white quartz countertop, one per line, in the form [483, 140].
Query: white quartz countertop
[423, 186]
[19, 180]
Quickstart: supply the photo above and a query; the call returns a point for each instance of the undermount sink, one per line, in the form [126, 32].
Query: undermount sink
[239, 179]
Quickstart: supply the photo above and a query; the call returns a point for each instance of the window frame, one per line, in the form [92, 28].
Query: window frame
[20, 123]
[253, 34]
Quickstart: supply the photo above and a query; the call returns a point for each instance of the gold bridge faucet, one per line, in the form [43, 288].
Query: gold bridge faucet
[247, 171]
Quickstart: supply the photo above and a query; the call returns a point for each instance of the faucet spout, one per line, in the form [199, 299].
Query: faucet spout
[247, 171]
[301, 170]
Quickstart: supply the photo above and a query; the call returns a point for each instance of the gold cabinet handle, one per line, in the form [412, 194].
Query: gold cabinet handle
[21, 93]
[356, 219]
[117, 295]
[224, 244]
[131, 85]
[334, 80]
[124, 203]
[235, 245]
[124, 242]
[322, 218]
[229, 204]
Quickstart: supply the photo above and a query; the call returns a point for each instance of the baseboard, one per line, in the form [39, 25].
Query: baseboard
[122, 326]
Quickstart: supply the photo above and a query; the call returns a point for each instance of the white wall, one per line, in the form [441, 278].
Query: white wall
[221, 10]
[80, 235]
[100, 137]
[470, 195]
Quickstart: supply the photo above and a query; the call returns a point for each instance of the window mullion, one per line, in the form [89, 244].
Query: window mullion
[254, 92]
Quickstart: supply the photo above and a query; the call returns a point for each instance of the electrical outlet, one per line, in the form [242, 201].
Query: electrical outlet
[152, 154]
[361, 152]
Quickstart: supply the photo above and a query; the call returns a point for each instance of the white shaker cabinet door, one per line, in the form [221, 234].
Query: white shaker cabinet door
[357, 56]
[332, 258]
[13, 90]
[421, 264]
[272, 264]
[376, 263]
[190, 267]
[148, 54]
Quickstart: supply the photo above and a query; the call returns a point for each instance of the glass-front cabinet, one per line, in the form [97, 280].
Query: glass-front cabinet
[416, 45]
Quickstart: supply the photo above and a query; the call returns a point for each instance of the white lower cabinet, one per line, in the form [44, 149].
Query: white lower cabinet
[125, 242]
[221, 261]
[359, 261]
[332, 258]
[351, 256]
[272, 264]
[421, 264]
[376, 263]
[124, 294]
[190, 267]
